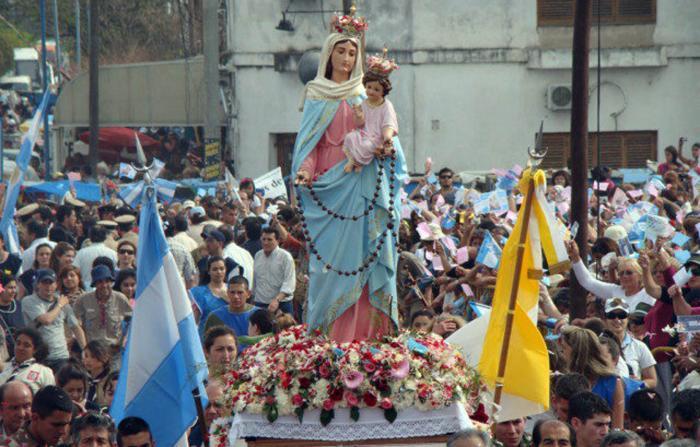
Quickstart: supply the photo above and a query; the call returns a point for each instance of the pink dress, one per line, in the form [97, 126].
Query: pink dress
[361, 143]
[361, 321]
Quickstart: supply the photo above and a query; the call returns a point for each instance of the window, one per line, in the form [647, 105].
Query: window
[612, 12]
[617, 149]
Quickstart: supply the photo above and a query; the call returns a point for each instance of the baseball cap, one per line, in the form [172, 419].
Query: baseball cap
[694, 260]
[197, 211]
[45, 275]
[216, 234]
[613, 304]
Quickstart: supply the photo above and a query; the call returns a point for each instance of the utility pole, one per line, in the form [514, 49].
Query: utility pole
[579, 143]
[58, 41]
[77, 34]
[212, 126]
[94, 82]
[45, 85]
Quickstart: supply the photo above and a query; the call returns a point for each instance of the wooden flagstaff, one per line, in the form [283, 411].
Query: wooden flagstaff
[533, 162]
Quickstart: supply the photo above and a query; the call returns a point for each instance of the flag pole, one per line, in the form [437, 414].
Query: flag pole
[145, 168]
[534, 160]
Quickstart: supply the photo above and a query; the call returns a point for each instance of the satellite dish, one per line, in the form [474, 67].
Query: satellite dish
[308, 66]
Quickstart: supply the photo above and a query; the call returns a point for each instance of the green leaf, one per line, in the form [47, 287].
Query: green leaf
[299, 411]
[327, 416]
[390, 414]
[272, 413]
[354, 413]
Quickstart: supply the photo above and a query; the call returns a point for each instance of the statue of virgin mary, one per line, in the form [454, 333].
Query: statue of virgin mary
[350, 219]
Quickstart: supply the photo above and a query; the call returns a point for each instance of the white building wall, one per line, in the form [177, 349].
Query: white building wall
[470, 92]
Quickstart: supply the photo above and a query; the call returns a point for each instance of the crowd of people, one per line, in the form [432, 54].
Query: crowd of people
[626, 373]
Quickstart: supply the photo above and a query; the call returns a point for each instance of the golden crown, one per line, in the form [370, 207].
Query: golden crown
[381, 64]
[349, 24]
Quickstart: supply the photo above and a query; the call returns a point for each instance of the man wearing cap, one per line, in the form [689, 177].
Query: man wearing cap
[37, 234]
[125, 228]
[64, 228]
[636, 361]
[102, 311]
[197, 217]
[214, 241]
[49, 313]
[87, 255]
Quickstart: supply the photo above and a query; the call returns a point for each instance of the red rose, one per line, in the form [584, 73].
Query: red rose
[351, 399]
[304, 382]
[328, 405]
[386, 404]
[270, 400]
[285, 380]
[324, 370]
[336, 394]
[369, 399]
[297, 400]
[369, 366]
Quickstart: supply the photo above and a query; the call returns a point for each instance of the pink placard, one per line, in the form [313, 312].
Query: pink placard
[437, 264]
[467, 290]
[424, 230]
[635, 193]
[462, 255]
[440, 201]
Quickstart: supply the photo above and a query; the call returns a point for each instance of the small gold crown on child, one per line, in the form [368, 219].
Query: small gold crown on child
[381, 64]
[349, 24]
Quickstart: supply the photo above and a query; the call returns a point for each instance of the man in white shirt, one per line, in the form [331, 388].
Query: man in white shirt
[86, 256]
[38, 233]
[181, 226]
[274, 273]
[242, 257]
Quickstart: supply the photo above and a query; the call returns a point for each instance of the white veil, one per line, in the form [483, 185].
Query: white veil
[322, 88]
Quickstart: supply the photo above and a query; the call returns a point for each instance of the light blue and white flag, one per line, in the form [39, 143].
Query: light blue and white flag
[163, 362]
[489, 253]
[7, 223]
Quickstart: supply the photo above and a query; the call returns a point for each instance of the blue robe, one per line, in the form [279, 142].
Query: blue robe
[346, 244]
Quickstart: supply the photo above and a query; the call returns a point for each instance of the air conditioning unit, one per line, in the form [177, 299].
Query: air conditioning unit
[559, 97]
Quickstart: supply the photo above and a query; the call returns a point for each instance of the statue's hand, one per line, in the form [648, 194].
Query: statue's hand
[303, 178]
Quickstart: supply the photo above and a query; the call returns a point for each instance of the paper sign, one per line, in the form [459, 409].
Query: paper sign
[651, 189]
[682, 256]
[439, 201]
[680, 239]
[126, 170]
[424, 230]
[462, 255]
[682, 277]
[511, 216]
[602, 186]
[437, 264]
[635, 193]
[574, 230]
[406, 212]
[272, 184]
[619, 198]
[467, 290]
[422, 205]
[688, 323]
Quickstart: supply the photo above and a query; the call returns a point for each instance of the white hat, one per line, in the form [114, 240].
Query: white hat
[70, 200]
[188, 204]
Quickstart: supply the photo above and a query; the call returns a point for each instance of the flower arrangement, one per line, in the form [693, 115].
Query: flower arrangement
[381, 64]
[349, 25]
[295, 371]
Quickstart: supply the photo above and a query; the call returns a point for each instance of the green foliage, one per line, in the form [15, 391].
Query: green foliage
[9, 40]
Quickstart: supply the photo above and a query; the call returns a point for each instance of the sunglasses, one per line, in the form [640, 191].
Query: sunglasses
[126, 252]
[446, 177]
[616, 316]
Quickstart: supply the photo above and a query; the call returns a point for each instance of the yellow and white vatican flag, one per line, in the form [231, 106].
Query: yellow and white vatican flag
[505, 345]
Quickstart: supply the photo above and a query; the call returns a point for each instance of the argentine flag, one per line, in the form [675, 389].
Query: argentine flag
[489, 253]
[163, 362]
[7, 223]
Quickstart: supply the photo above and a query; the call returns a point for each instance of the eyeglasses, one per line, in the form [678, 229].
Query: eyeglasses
[626, 272]
[126, 252]
[616, 316]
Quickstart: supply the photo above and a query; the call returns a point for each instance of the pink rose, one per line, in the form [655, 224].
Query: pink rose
[353, 379]
[386, 404]
[351, 399]
[328, 404]
[324, 371]
[401, 370]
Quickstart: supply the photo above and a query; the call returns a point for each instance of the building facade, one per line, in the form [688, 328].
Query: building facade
[476, 77]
